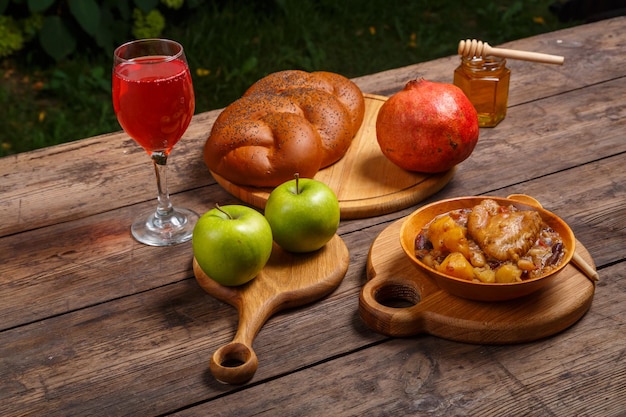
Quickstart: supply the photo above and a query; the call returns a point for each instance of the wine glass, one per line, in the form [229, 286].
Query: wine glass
[153, 100]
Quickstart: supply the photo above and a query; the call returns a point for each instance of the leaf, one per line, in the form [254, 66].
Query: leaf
[147, 5]
[55, 38]
[37, 6]
[87, 13]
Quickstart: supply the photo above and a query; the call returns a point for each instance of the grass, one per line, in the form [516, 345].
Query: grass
[231, 44]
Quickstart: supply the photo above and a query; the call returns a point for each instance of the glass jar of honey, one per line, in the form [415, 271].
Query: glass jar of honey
[485, 81]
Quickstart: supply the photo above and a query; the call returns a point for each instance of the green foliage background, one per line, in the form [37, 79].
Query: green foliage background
[55, 74]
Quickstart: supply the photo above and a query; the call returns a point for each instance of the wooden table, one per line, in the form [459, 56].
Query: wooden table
[94, 323]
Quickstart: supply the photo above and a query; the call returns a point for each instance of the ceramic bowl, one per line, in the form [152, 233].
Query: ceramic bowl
[478, 290]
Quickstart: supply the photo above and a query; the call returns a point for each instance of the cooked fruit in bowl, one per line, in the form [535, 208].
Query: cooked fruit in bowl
[488, 248]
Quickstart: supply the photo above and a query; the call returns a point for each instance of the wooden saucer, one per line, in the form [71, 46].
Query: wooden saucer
[367, 184]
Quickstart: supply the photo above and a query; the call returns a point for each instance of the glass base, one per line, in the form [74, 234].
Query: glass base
[165, 230]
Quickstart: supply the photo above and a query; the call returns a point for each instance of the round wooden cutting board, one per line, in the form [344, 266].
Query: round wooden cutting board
[367, 184]
[428, 309]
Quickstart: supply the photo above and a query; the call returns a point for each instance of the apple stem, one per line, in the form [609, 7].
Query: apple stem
[297, 177]
[217, 206]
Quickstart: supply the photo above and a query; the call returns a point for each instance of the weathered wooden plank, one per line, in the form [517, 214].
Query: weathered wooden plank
[430, 376]
[164, 338]
[133, 322]
[91, 176]
[95, 259]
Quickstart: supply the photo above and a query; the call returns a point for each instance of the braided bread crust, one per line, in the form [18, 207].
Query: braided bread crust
[288, 122]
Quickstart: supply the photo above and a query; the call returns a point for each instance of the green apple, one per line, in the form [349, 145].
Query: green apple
[232, 244]
[303, 213]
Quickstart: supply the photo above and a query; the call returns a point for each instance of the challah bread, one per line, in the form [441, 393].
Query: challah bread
[288, 122]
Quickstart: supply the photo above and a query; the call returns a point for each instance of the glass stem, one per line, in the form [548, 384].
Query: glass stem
[164, 207]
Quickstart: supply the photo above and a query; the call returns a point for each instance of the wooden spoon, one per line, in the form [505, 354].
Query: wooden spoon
[472, 47]
[288, 280]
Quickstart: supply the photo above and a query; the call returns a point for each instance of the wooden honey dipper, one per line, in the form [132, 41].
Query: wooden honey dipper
[473, 47]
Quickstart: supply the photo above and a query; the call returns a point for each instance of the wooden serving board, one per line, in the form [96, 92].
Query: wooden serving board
[287, 280]
[428, 309]
[367, 184]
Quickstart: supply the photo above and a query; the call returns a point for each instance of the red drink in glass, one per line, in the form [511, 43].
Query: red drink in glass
[154, 100]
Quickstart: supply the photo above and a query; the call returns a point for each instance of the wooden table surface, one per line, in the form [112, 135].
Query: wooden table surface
[94, 323]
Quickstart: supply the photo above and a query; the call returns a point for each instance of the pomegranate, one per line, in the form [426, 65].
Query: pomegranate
[427, 127]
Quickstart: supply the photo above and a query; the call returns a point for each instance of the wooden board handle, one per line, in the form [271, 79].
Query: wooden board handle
[376, 311]
[234, 363]
[472, 47]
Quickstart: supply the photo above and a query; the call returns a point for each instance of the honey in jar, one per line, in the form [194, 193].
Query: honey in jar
[485, 81]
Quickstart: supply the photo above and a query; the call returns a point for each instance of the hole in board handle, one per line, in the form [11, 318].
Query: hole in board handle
[397, 296]
[234, 363]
